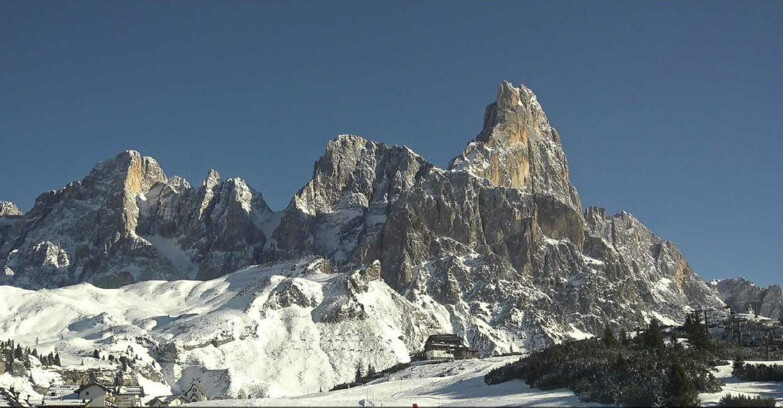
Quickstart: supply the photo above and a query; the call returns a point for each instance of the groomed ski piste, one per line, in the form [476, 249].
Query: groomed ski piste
[461, 383]
[455, 383]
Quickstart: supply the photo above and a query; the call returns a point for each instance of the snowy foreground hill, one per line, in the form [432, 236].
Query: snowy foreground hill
[461, 383]
[458, 383]
[285, 329]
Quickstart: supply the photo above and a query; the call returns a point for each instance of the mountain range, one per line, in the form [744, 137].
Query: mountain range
[378, 250]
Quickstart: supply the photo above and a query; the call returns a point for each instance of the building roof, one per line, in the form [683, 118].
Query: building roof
[166, 399]
[130, 390]
[63, 403]
[443, 340]
[90, 384]
[61, 392]
[197, 387]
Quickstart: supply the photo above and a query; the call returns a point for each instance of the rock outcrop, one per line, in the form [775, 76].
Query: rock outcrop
[9, 209]
[744, 296]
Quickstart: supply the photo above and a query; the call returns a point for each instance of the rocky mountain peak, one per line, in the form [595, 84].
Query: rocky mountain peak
[212, 180]
[129, 170]
[518, 148]
[742, 296]
[8, 208]
[351, 170]
[513, 101]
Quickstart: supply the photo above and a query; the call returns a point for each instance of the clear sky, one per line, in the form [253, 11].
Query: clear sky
[669, 110]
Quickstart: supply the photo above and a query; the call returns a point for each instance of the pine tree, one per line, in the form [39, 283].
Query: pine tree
[18, 352]
[682, 392]
[653, 337]
[609, 339]
[624, 337]
[370, 371]
[697, 336]
[738, 368]
[358, 373]
[96, 354]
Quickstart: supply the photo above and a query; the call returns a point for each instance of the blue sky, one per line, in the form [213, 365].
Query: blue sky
[669, 110]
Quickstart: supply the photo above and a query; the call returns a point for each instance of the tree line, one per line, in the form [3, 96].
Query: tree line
[645, 370]
[13, 352]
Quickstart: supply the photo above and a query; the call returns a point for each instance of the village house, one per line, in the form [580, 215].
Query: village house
[167, 401]
[194, 393]
[447, 347]
[128, 396]
[96, 395]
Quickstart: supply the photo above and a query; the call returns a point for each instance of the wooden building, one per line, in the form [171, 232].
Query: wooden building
[447, 347]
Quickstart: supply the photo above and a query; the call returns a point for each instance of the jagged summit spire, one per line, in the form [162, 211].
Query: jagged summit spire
[129, 169]
[213, 179]
[518, 148]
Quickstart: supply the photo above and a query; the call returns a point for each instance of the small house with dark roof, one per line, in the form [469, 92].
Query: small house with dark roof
[447, 347]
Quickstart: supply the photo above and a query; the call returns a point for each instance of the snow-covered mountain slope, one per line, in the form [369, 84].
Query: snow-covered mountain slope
[283, 329]
[452, 384]
[743, 295]
[495, 248]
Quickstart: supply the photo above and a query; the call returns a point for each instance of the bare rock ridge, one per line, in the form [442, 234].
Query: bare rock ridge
[743, 295]
[9, 209]
[496, 247]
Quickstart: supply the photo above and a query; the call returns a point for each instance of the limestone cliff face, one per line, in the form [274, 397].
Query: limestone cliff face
[495, 248]
[208, 231]
[518, 148]
[90, 224]
[342, 210]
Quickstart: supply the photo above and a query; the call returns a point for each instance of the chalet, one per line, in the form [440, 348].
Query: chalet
[194, 394]
[447, 347]
[167, 401]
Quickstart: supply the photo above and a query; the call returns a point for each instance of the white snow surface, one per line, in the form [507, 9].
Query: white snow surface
[280, 330]
[735, 386]
[457, 383]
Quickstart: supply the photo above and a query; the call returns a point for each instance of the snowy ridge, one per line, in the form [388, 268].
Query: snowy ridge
[259, 331]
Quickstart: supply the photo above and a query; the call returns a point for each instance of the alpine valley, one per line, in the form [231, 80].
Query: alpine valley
[379, 250]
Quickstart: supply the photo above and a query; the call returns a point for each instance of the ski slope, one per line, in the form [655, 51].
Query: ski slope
[457, 383]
